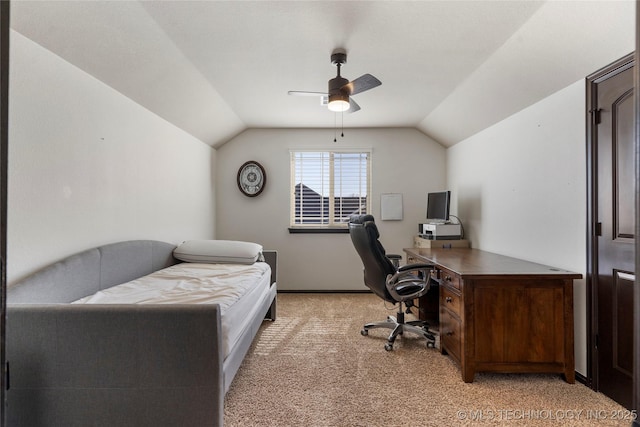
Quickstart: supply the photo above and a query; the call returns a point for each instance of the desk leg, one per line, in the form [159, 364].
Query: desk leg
[467, 374]
[569, 357]
[569, 376]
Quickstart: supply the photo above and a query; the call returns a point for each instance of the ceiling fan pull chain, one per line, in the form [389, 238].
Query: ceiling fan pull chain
[335, 129]
[342, 125]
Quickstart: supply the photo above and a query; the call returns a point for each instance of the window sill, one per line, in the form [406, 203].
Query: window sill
[311, 230]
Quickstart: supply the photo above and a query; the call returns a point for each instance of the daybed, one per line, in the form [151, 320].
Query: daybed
[122, 364]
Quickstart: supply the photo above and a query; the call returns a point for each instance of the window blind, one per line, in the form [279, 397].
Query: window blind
[327, 187]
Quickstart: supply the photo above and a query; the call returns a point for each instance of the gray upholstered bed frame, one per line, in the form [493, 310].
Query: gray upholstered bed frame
[117, 365]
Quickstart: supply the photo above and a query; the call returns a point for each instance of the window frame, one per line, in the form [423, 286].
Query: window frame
[332, 226]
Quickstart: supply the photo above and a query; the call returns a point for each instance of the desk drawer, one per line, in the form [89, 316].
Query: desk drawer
[449, 279]
[451, 300]
[450, 333]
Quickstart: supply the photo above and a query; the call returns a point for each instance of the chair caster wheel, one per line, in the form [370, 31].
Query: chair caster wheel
[388, 347]
[364, 332]
[431, 345]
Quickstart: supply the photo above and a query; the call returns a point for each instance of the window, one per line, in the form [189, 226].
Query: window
[327, 187]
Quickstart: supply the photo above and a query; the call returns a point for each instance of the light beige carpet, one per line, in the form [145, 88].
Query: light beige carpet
[311, 367]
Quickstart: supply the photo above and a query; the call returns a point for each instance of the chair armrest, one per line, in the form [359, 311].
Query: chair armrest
[417, 266]
[412, 274]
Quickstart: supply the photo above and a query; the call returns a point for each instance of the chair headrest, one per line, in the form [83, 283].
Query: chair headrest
[366, 221]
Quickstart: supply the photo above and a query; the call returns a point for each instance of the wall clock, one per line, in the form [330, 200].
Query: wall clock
[251, 178]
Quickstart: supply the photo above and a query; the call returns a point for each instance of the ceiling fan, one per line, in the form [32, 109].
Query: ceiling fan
[338, 98]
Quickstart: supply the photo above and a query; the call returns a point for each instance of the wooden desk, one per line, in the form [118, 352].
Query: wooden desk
[502, 314]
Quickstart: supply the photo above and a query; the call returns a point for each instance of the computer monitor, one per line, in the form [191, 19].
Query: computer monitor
[438, 206]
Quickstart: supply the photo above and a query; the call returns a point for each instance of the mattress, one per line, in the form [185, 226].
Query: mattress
[237, 289]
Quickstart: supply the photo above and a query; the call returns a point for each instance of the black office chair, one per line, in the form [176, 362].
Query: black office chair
[398, 285]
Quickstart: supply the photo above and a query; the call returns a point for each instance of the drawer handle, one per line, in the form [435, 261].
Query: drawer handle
[448, 299]
[447, 278]
[450, 333]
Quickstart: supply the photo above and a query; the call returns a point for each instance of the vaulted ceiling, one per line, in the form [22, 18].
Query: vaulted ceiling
[448, 68]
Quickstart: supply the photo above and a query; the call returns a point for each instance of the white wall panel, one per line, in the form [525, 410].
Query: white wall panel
[88, 166]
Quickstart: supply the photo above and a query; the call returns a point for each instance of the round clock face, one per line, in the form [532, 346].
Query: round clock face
[251, 178]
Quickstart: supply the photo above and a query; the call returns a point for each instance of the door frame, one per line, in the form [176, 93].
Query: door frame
[592, 250]
[4, 143]
[635, 399]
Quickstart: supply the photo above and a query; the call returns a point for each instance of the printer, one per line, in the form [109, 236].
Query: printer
[440, 231]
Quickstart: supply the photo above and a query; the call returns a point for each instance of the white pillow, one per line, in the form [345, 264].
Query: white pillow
[218, 251]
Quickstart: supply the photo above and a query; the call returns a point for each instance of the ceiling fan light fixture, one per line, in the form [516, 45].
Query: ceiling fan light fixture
[338, 102]
[338, 97]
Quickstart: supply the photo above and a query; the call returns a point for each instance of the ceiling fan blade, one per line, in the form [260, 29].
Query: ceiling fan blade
[362, 83]
[353, 106]
[303, 93]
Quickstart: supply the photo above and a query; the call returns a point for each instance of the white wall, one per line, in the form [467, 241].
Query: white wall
[403, 161]
[88, 166]
[520, 189]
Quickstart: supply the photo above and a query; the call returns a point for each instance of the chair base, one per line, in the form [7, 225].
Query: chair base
[418, 327]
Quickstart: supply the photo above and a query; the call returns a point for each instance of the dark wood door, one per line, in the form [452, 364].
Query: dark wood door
[614, 229]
